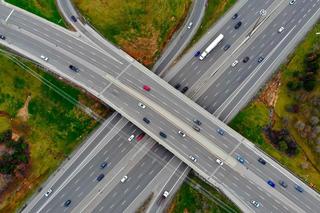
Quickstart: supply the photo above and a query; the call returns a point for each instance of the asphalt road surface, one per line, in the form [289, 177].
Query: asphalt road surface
[33, 48]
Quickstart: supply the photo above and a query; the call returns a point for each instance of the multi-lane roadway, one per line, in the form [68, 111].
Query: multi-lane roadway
[121, 81]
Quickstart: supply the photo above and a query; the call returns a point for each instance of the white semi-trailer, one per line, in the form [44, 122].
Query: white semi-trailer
[211, 46]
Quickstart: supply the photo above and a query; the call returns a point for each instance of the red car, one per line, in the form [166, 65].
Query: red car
[139, 138]
[146, 88]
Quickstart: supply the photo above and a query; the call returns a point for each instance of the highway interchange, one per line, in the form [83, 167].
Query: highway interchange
[126, 77]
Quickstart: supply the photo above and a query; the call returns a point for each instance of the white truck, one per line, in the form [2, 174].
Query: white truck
[213, 44]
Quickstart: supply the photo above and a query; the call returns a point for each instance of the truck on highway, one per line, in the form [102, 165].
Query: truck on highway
[213, 44]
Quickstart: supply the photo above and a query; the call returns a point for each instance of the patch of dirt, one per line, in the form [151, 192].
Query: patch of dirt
[143, 49]
[269, 95]
[23, 112]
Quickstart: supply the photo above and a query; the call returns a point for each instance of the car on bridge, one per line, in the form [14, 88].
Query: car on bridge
[283, 184]
[194, 159]
[219, 162]
[220, 131]
[299, 188]
[131, 138]
[2, 37]
[100, 177]
[262, 161]
[73, 18]
[146, 88]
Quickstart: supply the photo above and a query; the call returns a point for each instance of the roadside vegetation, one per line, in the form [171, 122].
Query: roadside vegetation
[38, 129]
[45, 8]
[141, 28]
[197, 196]
[215, 9]
[284, 120]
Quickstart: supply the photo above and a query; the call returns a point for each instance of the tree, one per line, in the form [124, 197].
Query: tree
[314, 120]
[309, 85]
[294, 86]
[283, 146]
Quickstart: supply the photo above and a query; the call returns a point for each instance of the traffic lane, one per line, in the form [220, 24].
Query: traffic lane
[94, 140]
[36, 48]
[229, 109]
[247, 191]
[286, 18]
[178, 107]
[192, 70]
[122, 195]
[4, 12]
[172, 185]
[81, 50]
[64, 34]
[85, 179]
[184, 35]
[234, 76]
[174, 140]
[268, 172]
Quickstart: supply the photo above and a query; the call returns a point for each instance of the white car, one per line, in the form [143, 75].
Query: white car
[181, 133]
[124, 179]
[48, 192]
[45, 58]
[292, 2]
[189, 25]
[141, 105]
[234, 63]
[131, 138]
[280, 29]
[255, 203]
[219, 162]
[194, 159]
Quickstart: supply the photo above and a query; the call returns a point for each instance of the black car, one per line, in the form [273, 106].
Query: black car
[237, 25]
[73, 68]
[67, 203]
[197, 54]
[235, 16]
[185, 89]
[100, 177]
[196, 121]
[299, 188]
[146, 120]
[246, 59]
[263, 162]
[260, 59]
[283, 184]
[162, 134]
[73, 18]
[177, 86]
[226, 47]
[2, 37]
[103, 165]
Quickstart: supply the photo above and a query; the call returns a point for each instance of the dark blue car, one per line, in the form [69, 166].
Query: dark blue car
[271, 183]
[197, 54]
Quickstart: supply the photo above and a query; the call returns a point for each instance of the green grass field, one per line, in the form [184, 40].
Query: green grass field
[197, 196]
[55, 126]
[141, 28]
[249, 121]
[214, 10]
[44, 8]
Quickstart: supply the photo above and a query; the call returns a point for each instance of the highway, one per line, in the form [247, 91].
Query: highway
[132, 70]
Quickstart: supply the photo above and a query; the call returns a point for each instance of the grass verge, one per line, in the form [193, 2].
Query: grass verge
[215, 9]
[53, 128]
[296, 111]
[197, 196]
[45, 8]
[141, 28]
